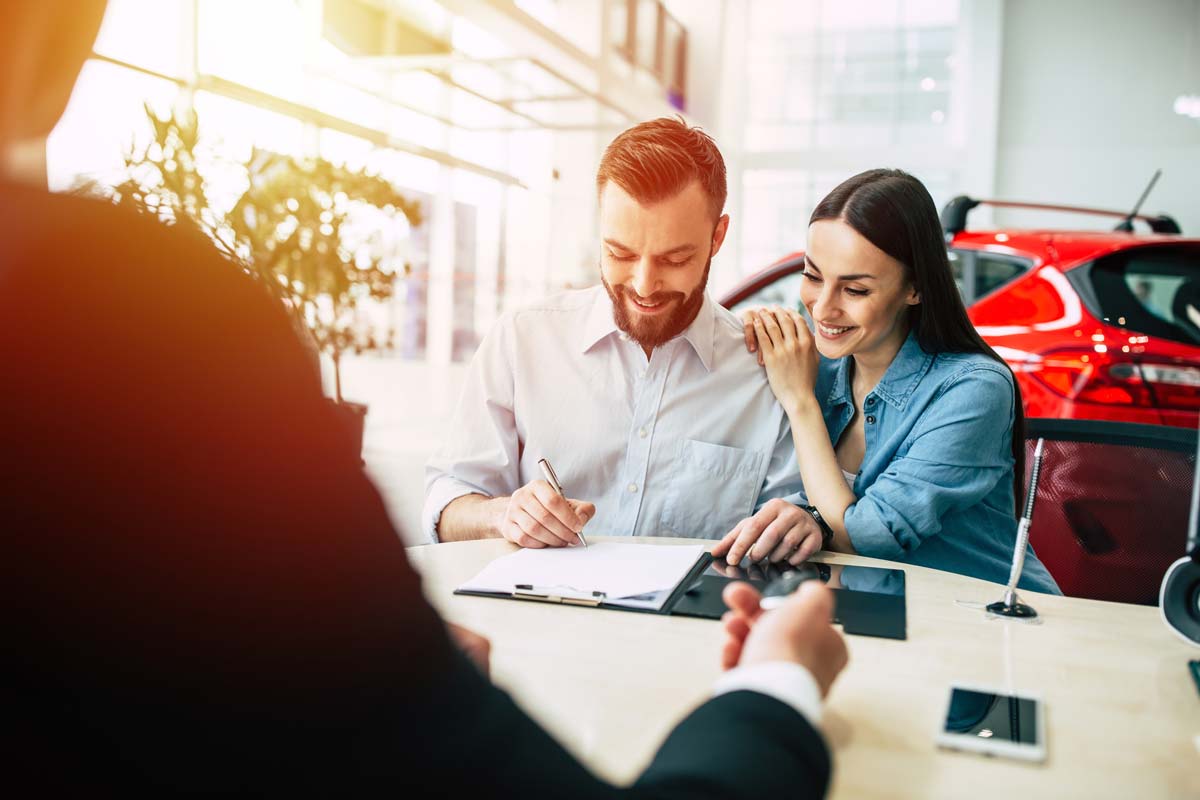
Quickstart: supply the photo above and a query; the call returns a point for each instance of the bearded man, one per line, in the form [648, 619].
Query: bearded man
[638, 391]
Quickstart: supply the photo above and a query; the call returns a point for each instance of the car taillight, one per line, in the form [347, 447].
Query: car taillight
[1118, 379]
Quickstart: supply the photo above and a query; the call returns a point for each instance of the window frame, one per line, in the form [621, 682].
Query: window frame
[969, 257]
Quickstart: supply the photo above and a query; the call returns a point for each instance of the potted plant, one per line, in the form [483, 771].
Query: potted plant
[319, 228]
[315, 233]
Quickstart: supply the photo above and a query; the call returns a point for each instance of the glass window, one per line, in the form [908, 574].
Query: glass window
[1154, 291]
[978, 273]
[232, 44]
[204, 46]
[832, 89]
[104, 121]
[647, 34]
[992, 272]
[783, 292]
[960, 263]
[410, 305]
[775, 213]
[154, 34]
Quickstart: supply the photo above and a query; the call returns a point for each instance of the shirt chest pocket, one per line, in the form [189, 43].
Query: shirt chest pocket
[711, 489]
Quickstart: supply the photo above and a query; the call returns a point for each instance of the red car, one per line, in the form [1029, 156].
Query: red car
[1095, 325]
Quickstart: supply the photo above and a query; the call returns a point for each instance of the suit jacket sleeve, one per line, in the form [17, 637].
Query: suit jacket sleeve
[205, 591]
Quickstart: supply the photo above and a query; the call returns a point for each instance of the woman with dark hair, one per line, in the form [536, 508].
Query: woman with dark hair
[908, 427]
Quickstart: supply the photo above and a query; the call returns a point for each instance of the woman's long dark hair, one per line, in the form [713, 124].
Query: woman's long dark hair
[894, 212]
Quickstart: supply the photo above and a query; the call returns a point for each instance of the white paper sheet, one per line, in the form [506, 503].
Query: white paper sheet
[619, 570]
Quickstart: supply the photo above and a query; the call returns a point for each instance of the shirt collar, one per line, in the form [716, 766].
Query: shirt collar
[599, 322]
[701, 332]
[902, 376]
[599, 325]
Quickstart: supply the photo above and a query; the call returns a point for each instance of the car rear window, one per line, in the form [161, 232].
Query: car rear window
[1150, 290]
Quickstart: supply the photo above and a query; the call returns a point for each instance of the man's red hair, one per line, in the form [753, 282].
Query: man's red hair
[656, 160]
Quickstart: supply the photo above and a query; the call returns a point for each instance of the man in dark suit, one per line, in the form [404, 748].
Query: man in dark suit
[203, 590]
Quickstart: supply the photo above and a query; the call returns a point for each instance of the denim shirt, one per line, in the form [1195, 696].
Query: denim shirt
[936, 484]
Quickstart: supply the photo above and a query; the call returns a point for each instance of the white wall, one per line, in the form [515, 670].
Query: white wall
[709, 81]
[1086, 108]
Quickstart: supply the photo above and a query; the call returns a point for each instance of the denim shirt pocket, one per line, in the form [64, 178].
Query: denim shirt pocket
[712, 488]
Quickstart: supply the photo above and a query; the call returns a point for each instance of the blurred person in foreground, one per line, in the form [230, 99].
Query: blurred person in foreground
[203, 590]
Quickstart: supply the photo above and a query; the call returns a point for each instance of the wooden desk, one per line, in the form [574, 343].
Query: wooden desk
[1122, 712]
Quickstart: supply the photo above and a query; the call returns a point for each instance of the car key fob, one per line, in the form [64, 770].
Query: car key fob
[777, 591]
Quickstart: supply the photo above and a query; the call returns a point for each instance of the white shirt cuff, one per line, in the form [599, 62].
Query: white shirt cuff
[439, 493]
[786, 681]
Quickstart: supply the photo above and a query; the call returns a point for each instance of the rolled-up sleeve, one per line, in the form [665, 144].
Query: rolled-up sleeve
[480, 452]
[960, 448]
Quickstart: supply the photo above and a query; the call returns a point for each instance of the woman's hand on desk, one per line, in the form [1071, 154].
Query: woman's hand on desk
[538, 516]
[799, 631]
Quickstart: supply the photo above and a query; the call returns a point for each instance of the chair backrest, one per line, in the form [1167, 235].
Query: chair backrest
[1112, 504]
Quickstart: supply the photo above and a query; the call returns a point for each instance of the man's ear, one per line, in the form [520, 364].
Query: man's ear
[719, 234]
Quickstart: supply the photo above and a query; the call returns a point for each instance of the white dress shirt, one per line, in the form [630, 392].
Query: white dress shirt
[686, 443]
[786, 681]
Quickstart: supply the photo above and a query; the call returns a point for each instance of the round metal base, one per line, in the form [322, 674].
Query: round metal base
[1018, 609]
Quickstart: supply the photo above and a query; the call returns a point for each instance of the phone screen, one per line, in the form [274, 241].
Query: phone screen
[994, 717]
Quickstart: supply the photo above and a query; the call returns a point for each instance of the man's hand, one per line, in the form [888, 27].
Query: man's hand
[477, 647]
[798, 631]
[779, 531]
[538, 516]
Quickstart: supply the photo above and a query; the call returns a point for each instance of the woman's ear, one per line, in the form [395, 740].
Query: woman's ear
[914, 298]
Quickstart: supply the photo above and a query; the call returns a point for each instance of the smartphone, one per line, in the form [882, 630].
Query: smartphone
[981, 720]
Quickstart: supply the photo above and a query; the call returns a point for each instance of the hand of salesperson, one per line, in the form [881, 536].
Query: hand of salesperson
[789, 353]
[799, 631]
[538, 516]
[476, 646]
[779, 531]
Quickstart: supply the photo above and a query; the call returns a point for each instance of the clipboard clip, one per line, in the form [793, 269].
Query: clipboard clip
[556, 594]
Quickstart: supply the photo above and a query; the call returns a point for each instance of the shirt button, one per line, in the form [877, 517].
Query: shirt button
[870, 420]
[632, 487]
[870, 401]
[642, 433]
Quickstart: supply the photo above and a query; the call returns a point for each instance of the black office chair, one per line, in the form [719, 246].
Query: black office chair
[1112, 507]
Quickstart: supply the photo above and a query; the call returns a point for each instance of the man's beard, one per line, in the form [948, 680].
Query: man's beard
[655, 331]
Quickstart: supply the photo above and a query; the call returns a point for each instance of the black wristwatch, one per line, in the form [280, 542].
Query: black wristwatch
[826, 531]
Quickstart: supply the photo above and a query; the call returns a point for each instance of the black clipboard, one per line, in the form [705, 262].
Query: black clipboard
[598, 600]
[870, 603]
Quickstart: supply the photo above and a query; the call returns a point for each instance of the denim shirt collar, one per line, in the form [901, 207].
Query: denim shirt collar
[897, 385]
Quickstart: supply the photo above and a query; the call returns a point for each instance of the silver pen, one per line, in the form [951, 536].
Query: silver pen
[552, 479]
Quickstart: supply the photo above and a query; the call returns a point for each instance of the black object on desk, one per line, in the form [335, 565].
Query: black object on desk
[868, 601]
[652, 604]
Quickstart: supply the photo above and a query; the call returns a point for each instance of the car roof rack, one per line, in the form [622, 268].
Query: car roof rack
[954, 214]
